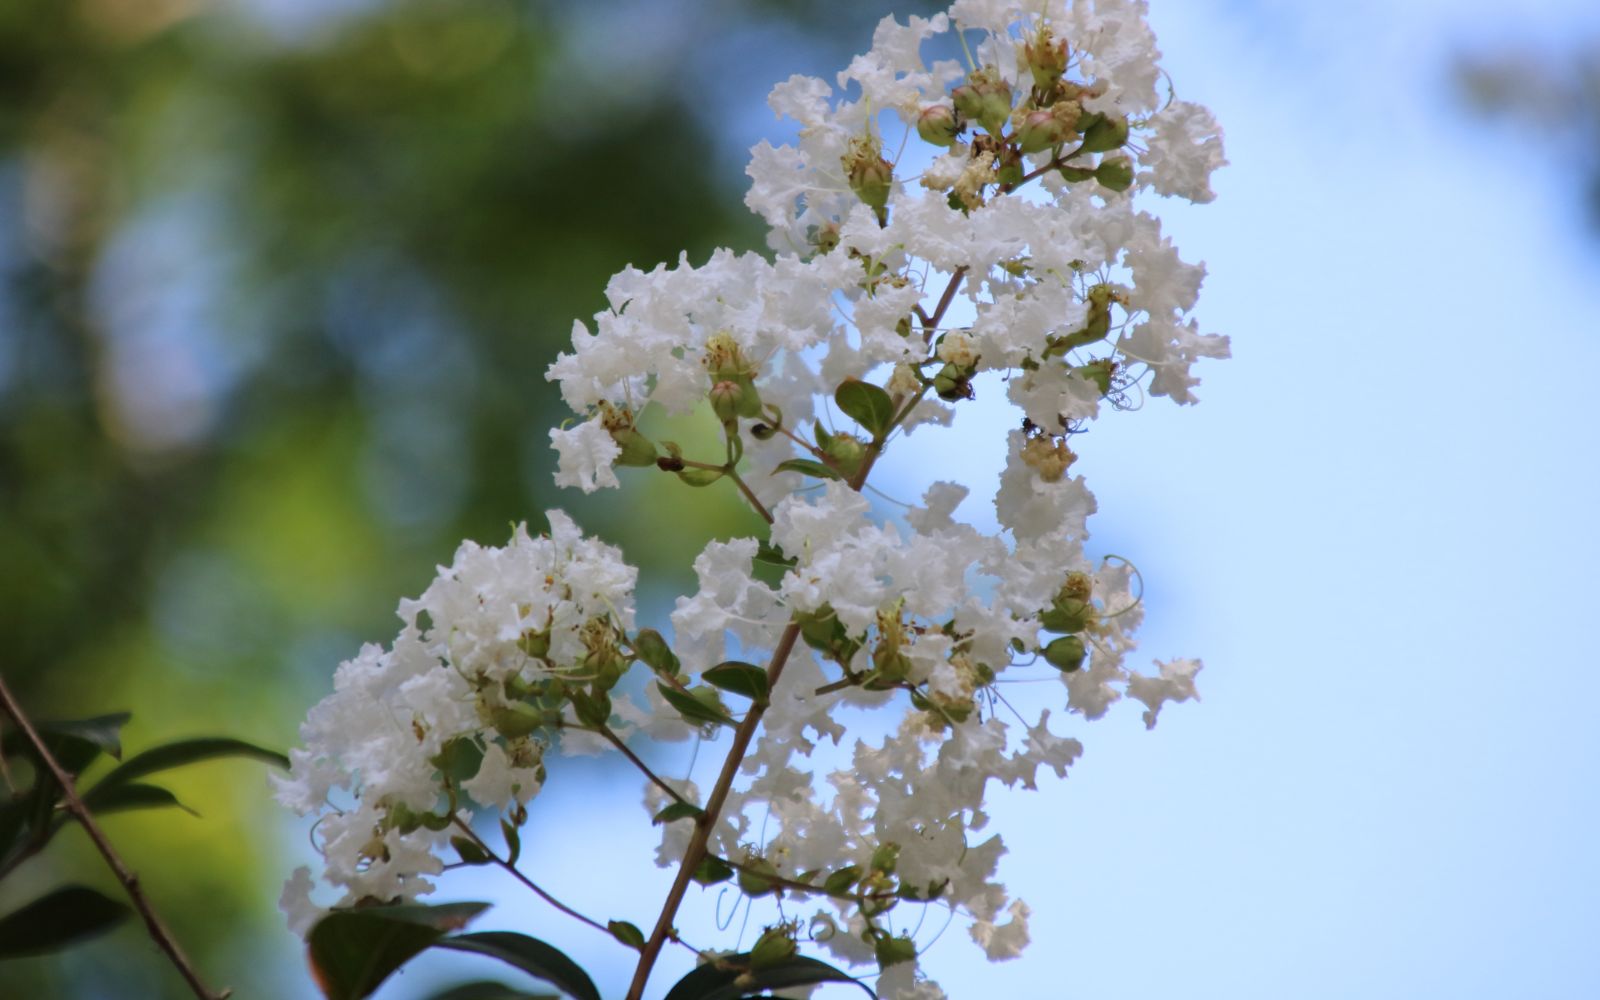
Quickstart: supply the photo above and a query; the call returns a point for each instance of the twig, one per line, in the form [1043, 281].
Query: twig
[516, 873]
[644, 768]
[130, 882]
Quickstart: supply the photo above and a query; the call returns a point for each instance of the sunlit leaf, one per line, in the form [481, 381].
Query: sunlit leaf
[745, 679]
[866, 404]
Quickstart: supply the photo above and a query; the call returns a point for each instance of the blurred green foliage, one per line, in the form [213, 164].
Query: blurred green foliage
[278, 284]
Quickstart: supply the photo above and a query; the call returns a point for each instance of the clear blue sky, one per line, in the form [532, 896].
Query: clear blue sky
[1379, 532]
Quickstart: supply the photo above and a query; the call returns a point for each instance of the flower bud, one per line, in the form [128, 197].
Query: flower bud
[1073, 175]
[773, 947]
[846, 451]
[1039, 130]
[871, 176]
[1106, 133]
[725, 399]
[637, 450]
[1066, 654]
[985, 98]
[952, 385]
[1046, 57]
[938, 124]
[1115, 172]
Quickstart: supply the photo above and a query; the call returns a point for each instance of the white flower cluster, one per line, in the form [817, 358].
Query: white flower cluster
[453, 706]
[1063, 286]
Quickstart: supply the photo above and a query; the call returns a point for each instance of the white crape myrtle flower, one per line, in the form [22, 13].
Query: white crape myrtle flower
[856, 650]
[380, 753]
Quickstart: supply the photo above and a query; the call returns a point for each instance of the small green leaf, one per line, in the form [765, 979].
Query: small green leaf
[532, 956]
[732, 978]
[807, 467]
[699, 709]
[770, 554]
[470, 852]
[627, 933]
[700, 477]
[675, 811]
[593, 711]
[754, 878]
[745, 679]
[58, 919]
[102, 733]
[459, 759]
[712, 870]
[353, 951]
[513, 840]
[866, 404]
[650, 647]
[842, 881]
[182, 752]
[123, 798]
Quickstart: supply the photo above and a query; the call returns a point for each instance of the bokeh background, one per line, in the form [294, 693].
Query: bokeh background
[279, 280]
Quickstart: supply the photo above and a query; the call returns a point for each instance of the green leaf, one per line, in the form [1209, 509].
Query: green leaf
[469, 851]
[894, 950]
[771, 555]
[700, 477]
[712, 870]
[745, 679]
[694, 709]
[353, 951]
[513, 840]
[675, 811]
[58, 919]
[101, 733]
[866, 404]
[650, 647]
[488, 989]
[627, 933]
[807, 467]
[459, 759]
[182, 752]
[531, 956]
[732, 978]
[122, 798]
[593, 711]
[842, 881]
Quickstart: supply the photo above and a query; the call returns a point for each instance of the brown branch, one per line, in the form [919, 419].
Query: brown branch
[696, 851]
[130, 882]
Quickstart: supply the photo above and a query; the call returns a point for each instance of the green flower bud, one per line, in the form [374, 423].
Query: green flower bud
[515, 720]
[535, 644]
[938, 125]
[885, 858]
[636, 448]
[951, 384]
[894, 950]
[985, 98]
[1066, 654]
[846, 451]
[725, 397]
[1107, 133]
[1043, 128]
[1115, 172]
[1073, 175]
[773, 947]
[871, 176]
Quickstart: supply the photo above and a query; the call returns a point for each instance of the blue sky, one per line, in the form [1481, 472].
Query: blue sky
[1377, 530]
